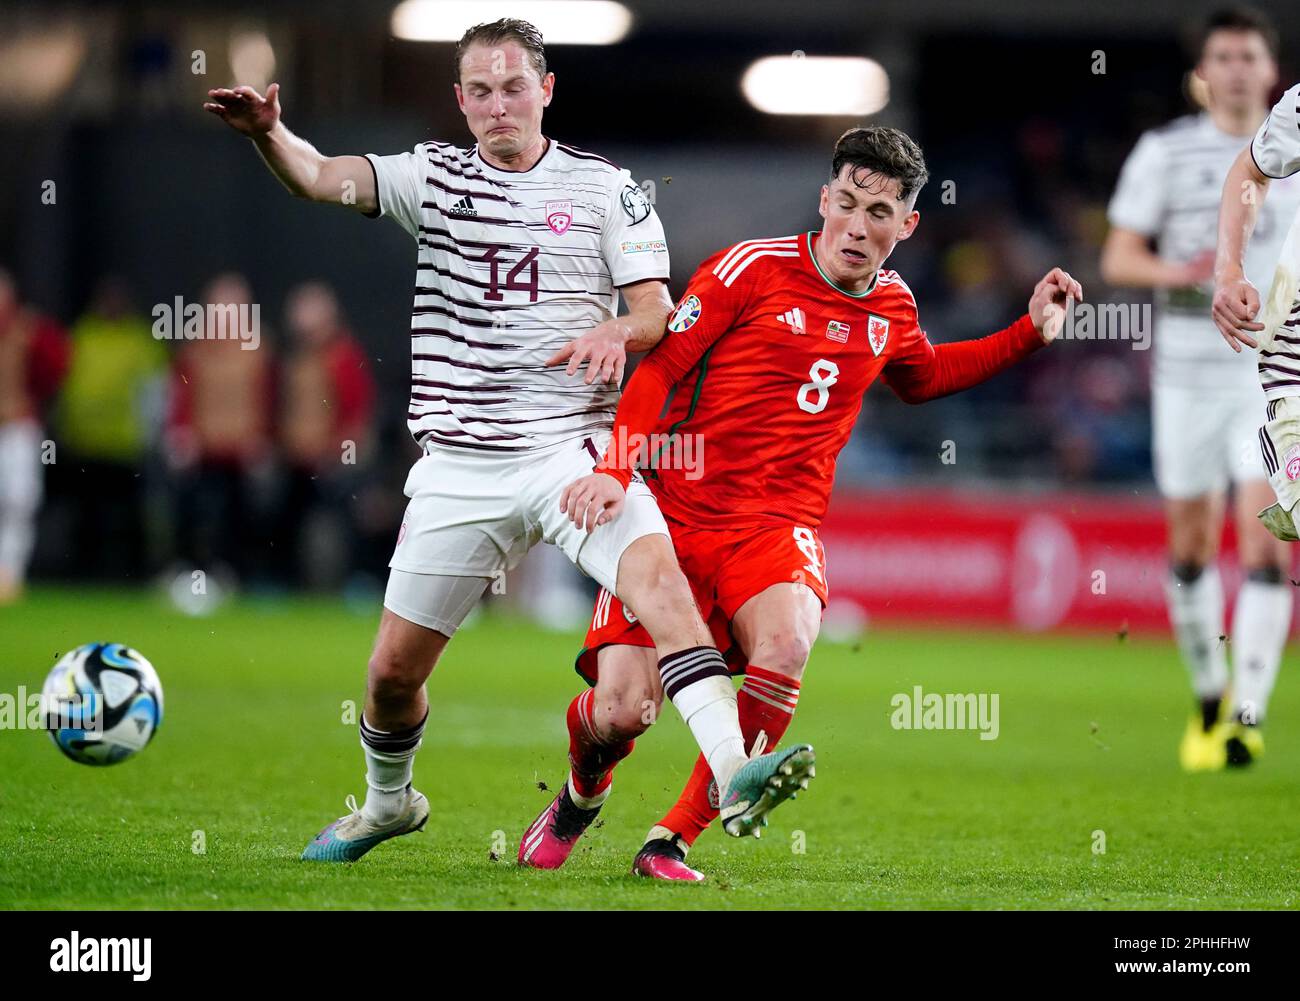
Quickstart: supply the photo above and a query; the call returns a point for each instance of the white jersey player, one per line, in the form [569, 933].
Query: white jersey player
[1262, 176]
[1206, 400]
[524, 245]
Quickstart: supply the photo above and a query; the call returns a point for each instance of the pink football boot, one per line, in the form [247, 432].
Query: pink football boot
[664, 858]
[550, 839]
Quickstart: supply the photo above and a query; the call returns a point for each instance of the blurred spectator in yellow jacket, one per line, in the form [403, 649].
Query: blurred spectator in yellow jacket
[108, 418]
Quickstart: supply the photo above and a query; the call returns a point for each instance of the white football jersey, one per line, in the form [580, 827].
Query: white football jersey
[1276, 146]
[1170, 190]
[511, 266]
[1276, 149]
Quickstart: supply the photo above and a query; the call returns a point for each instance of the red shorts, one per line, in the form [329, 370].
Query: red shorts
[725, 568]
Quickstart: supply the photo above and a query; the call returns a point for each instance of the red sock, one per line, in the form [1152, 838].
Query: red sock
[766, 702]
[591, 760]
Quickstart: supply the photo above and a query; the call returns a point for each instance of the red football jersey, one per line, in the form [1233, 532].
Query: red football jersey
[770, 361]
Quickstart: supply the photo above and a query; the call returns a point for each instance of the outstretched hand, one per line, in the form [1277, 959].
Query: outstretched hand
[1051, 302]
[244, 109]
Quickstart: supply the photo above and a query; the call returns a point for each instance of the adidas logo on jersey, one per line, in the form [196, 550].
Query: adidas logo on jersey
[794, 319]
[463, 207]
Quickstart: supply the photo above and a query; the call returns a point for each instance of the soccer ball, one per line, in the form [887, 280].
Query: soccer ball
[102, 703]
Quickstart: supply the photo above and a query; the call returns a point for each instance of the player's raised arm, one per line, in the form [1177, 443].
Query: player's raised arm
[928, 371]
[301, 168]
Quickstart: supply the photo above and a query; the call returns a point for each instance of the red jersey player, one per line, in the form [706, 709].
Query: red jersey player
[767, 358]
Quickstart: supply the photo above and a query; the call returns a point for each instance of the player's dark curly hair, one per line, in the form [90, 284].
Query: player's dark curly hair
[883, 151]
[1241, 18]
[507, 29]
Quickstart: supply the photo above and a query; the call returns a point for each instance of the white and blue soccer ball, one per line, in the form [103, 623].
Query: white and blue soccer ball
[102, 703]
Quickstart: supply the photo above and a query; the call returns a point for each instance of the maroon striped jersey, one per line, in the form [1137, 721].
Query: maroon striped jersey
[511, 266]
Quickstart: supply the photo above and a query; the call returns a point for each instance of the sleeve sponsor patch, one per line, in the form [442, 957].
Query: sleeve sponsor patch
[643, 247]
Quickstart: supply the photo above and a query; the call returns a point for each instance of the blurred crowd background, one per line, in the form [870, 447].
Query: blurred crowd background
[121, 194]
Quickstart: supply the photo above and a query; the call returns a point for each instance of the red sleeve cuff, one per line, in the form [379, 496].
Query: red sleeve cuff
[1025, 335]
[624, 476]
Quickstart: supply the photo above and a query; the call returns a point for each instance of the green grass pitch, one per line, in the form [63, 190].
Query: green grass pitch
[254, 754]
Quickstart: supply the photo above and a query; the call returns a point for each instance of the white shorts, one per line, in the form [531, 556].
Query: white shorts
[1203, 441]
[432, 600]
[473, 514]
[1279, 439]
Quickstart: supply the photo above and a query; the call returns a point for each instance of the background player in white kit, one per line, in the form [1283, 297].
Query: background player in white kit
[524, 245]
[1206, 401]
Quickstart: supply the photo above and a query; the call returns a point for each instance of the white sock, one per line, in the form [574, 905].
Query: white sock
[390, 759]
[709, 707]
[387, 776]
[1259, 632]
[1196, 613]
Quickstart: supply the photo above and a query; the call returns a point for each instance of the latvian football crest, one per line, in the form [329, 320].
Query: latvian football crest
[558, 216]
[1291, 462]
[877, 332]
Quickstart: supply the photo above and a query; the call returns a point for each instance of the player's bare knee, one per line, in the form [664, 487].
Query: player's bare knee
[783, 651]
[393, 676]
[627, 720]
[625, 711]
